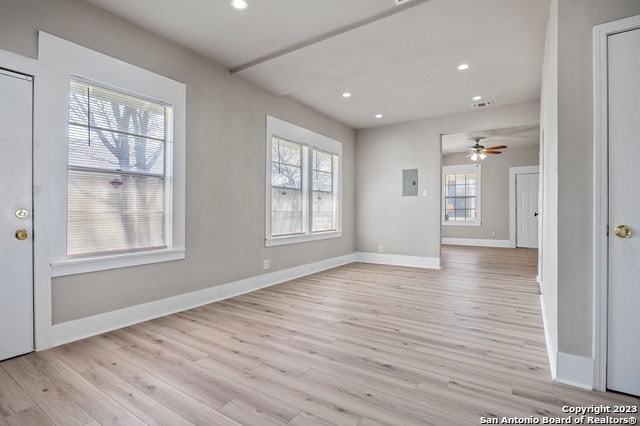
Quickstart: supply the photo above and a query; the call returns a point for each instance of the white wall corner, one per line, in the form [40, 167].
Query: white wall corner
[86, 327]
[575, 370]
[478, 242]
[398, 260]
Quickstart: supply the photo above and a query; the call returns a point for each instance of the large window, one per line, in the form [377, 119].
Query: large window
[116, 161]
[303, 184]
[117, 194]
[461, 195]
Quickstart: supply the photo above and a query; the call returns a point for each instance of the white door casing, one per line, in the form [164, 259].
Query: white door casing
[527, 210]
[16, 256]
[623, 372]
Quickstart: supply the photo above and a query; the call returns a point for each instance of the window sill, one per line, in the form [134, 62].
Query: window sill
[81, 266]
[461, 223]
[279, 241]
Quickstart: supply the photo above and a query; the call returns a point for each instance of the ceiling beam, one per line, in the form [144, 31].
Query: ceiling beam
[325, 36]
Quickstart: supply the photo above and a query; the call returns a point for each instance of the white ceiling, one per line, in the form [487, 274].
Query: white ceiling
[397, 61]
[512, 137]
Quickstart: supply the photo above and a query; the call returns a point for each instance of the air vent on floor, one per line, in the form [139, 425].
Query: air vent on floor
[400, 2]
[482, 104]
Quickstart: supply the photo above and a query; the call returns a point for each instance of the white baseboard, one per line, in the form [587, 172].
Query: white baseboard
[398, 260]
[476, 242]
[575, 370]
[86, 327]
[552, 352]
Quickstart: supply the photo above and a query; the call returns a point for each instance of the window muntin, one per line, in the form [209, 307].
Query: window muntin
[118, 187]
[461, 195]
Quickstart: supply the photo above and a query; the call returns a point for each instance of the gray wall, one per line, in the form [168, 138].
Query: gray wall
[411, 225]
[225, 163]
[495, 191]
[576, 19]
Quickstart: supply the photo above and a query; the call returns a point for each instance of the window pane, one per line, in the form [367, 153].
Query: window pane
[323, 212]
[111, 212]
[286, 211]
[460, 204]
[113, 110]
[113, 151]
[287, 152]
[460, 191]
[471, 178]
[286, 176]
[322, 161]
[322, 181]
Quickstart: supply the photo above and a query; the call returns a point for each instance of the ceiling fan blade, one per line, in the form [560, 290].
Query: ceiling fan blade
[492, 152]
[492, 148]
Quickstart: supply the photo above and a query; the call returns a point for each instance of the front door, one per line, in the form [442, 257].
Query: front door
[623, 369]
[16, 244]
[526, 210]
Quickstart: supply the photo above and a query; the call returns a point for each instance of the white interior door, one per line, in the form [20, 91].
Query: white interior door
[527, 210]
[16, 244]
[623, 369]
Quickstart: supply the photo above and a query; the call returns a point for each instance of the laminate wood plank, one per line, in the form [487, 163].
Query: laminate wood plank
[95, 402]
[12, 398]
[304, 401]
[31, 416]
[47, 394]
[247, 415]
[136, 402]
[189, 378]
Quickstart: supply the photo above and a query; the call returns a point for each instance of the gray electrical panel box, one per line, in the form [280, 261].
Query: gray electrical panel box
[409, 182]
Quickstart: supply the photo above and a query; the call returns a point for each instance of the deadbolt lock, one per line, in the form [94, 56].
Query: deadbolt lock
[22, 234]
[622, 231]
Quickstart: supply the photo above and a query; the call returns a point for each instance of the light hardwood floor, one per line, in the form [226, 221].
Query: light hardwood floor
[356, 345]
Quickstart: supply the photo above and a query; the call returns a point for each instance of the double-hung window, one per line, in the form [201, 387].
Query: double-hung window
[117, 161]
[461, 195]
[118, 200]
[303, 184]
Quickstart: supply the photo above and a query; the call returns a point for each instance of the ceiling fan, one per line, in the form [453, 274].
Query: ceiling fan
[478, 152]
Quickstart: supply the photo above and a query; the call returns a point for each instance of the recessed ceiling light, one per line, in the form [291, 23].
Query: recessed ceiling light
[477, 98]
[346, 95]
[378, 115]
[239, 4]
[463, 67]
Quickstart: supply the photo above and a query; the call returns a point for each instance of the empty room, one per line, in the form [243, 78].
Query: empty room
[319, 212]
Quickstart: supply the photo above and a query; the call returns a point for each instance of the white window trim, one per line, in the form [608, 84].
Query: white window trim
[284, 130]
[66, 61]
[463, 168]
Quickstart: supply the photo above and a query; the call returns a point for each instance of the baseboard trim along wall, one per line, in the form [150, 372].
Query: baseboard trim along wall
[398, 260]
[86, 327]
[476, 242]
[575, 370]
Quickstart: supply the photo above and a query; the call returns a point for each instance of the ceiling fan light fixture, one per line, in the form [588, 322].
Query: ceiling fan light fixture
[474, 156]
[239, 4]
[482, 156]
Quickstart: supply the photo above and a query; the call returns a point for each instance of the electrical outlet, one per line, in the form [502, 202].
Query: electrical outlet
[266, 264]
[380, 249]
[425, 193]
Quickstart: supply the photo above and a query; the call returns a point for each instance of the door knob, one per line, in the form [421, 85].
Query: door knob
[22, 234]
[622, 231]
